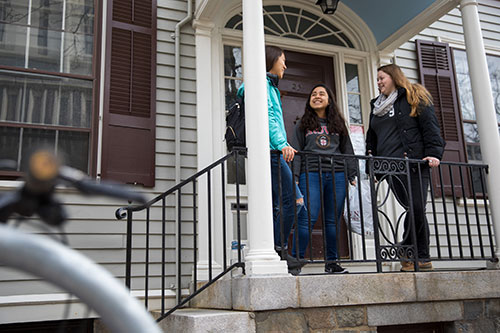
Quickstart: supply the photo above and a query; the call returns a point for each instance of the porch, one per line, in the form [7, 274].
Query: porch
[462, 247]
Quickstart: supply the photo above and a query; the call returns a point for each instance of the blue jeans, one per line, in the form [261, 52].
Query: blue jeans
[314, 204]
[289, 199]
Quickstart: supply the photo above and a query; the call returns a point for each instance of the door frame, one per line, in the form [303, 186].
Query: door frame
[209, 28]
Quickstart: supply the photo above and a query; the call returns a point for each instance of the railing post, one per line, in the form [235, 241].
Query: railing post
[412, 224]
[128, 259]
[376, 226]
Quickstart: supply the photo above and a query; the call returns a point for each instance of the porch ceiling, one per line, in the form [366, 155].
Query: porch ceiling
[385, 17]
[392, 22]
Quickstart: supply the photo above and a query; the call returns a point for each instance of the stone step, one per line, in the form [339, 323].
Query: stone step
[207, 320]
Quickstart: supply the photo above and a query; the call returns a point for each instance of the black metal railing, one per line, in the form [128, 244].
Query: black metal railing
[456, 208]
[452, 197]
[184, 246]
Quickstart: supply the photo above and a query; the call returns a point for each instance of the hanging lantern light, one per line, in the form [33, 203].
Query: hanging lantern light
[328, 6]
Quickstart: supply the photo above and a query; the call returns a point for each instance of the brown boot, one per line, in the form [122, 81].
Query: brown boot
[407, 266]
[423, 266]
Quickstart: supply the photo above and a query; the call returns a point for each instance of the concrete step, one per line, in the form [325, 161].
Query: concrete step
[207, 320]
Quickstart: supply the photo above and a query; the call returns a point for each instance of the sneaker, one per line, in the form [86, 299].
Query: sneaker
[334, 268]
[424, 266]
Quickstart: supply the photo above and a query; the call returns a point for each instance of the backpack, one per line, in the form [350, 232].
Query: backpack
[235, 125]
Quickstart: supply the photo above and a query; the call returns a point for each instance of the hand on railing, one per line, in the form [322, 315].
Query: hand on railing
[433, 162]
[288, 153]
[35, 196]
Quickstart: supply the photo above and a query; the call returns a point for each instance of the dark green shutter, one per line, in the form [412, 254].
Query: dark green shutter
[128, 148]
[438, 76]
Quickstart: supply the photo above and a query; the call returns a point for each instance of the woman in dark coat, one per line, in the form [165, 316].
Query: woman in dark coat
[403, 123]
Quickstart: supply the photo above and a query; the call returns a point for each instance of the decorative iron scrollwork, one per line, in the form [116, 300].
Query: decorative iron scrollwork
[389, 166]
[397, 252]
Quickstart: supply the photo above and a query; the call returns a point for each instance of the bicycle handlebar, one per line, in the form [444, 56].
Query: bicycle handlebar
[36, 194]
[79, 275]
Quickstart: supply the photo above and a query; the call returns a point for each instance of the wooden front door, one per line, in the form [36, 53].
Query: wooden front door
[304, 72]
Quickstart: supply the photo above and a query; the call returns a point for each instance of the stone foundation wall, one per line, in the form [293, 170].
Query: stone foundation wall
[476, 316]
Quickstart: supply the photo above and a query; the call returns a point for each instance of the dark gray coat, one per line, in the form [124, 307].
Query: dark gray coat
[420, 135]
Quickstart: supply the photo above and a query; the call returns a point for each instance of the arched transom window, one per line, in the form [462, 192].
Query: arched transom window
[297, 23]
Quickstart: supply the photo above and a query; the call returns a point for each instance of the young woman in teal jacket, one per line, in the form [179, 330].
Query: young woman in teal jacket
[275, 67]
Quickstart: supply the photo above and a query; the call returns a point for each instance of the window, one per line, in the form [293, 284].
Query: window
[353, 94]
[471, 133]
[355, 112]
[233, 72]
[47, 80]
[233, 78]
[296, 23]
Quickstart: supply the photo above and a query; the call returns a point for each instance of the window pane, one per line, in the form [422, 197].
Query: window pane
[474, 153]
[70, 142]
[232, 61]
[471, 133]
[43, 99]
[45, 50]
[464, 86]
[14, 11]
[231, 91]
[351, 73]
[80, 17]
[9, 143]
[78, 51]
[47, 14]
[33, 139]
[354, 109]
[494, 69]
[12, 45]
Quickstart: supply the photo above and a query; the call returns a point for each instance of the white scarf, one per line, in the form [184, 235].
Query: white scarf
[384, 104]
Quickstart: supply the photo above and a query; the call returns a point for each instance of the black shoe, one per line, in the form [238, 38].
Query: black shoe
[334, 268]
[294, 263]
[294, 271]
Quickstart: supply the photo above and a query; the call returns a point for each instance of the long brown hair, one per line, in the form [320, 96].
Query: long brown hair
[335, 120]
[416, 94]
[272, 55]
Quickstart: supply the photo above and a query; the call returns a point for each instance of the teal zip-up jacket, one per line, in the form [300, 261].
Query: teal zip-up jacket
[277, 132]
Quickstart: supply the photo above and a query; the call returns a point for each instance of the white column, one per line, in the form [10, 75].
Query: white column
[261, 258]
[205, 146]
[484, 106]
